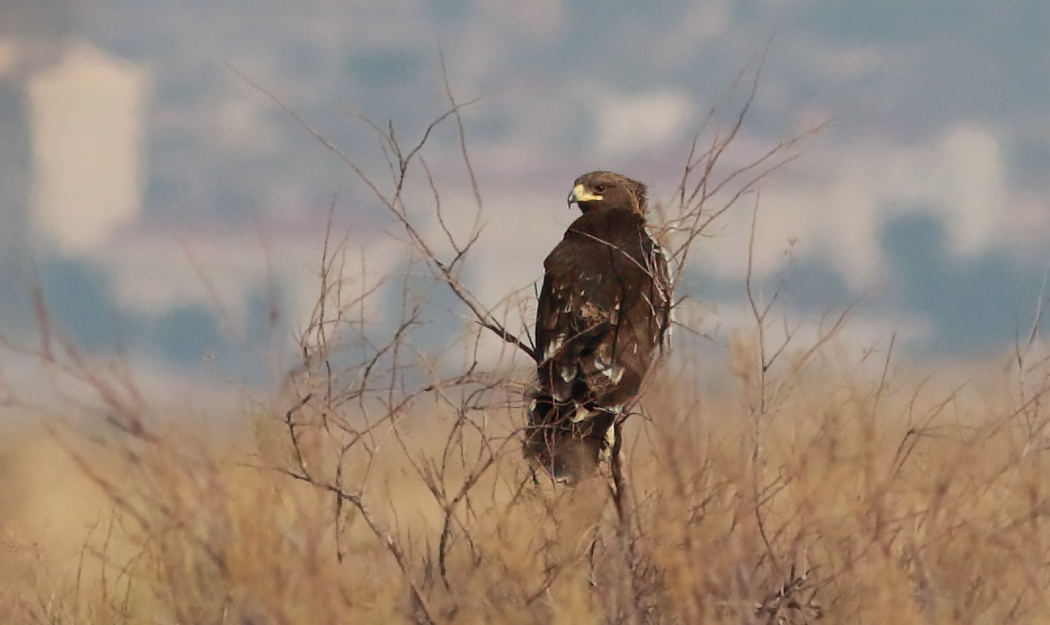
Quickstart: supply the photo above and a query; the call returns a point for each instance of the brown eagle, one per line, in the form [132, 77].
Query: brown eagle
[603, 317]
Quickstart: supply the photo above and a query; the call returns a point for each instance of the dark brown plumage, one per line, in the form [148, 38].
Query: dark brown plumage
[602, 319]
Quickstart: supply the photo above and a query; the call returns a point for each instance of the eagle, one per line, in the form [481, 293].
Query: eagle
[602, 320]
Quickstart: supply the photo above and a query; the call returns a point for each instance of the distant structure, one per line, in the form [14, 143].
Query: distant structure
[29, 33]
[86, 113]
[71, 142]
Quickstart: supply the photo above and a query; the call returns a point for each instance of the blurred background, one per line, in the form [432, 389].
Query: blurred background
[174, 214]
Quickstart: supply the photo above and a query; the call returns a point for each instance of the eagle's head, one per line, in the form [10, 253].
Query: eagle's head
[605, 189]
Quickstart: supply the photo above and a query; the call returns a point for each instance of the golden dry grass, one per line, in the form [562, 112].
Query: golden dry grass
[810, 485]
[851, 498]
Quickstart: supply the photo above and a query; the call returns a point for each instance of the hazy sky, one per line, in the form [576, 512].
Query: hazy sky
[926, 196]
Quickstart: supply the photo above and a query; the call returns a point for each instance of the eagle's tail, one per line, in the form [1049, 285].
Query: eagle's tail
[566, 433]
[565, 439]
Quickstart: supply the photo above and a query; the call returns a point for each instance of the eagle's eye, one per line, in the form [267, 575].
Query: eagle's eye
[600, 188]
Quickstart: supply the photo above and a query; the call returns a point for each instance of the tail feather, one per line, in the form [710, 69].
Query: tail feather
[565, 438]
[566, 433]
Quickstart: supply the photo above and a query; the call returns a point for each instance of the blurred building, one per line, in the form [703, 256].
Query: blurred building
[86, 112]
[71, 146]
[30, 31]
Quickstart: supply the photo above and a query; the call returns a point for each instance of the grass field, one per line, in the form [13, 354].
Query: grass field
[819, 494]
[380, 484]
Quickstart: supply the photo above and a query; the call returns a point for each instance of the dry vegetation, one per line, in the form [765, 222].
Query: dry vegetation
[384, 484]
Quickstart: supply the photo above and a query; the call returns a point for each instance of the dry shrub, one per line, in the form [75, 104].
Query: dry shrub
[383, 485]
[838, 506]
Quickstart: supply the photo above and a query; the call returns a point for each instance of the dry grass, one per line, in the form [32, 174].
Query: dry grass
[384, 485]
[850, 500]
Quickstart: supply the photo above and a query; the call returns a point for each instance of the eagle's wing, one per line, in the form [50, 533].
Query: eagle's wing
[601, 316]
[572, 316]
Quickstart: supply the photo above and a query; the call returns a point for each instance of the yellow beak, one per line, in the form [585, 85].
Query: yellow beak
[581, 194]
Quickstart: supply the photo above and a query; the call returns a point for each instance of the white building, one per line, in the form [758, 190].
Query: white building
[87, 114]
